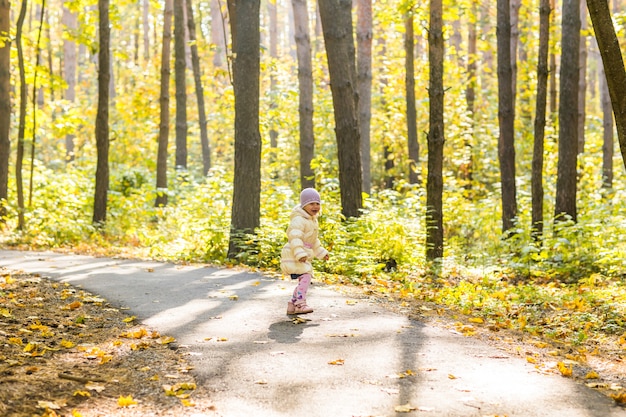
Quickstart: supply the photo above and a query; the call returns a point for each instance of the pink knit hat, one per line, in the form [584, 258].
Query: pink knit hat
[308, 196]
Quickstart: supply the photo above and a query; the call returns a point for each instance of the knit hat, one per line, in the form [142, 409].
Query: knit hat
[308, 196]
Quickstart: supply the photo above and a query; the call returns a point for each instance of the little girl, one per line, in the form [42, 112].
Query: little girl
[302, 247]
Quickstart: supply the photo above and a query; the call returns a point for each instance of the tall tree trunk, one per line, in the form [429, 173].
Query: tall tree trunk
[540, 119]
[22, 117]
[467, 169]
[164, 105]
[337, 27]
[305, 84]
[102, 117]
[411, 111]
[197, 77]
[5, 107]
[582, 77]
[514, 18]
[607, 125]
[436, 138]
[180, 67]
[613, 64]
[506, 114]
[565, 204]
[69, 20]
[145, 11]
[35, 102]
[218, 37]
[272, 12]
[552, 89]
[246, 207]
[364, 85]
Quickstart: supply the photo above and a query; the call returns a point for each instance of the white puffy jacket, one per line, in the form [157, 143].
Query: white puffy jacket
[302, 234]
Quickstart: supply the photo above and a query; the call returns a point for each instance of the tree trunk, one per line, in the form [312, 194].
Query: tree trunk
[164, 104]
[467, 169]
[180, 67]
[22, 117]
[337, 28]
[305, 84]
[434, 186]
[613, 64]
[246, 206]
[506, 114]
[145, 9]
[364, 85]
[69, 20]
[540, 119]
[582, 77]
[552, 89]
[514, 18]
[218, 37]
[411, 111]
[607, 124]
[197, 77]
[5, 107]
[102, 117]
[565, 204]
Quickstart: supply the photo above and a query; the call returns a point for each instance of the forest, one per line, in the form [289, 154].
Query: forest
[465, 151]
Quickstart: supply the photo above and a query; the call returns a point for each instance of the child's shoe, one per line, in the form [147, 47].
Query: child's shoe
[301, 309]
[291, 308]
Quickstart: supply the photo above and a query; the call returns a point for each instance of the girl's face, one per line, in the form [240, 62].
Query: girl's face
[313, 208]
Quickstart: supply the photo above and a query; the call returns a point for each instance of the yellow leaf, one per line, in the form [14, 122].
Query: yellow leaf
[336, 362]
[187, 403]
[619, 398]
[129, 319]
[450, 376]
[234, 297]
[351, 302]
[222, 339]
[166, 339]
[73, 306]
[75, 413]
[82, 394]
[592, 375]
[5, 312]
[406, 408]
[67, 344]
[476, 320]
[564, 369]
[126, 401]
[16, 341]
[530, 359]
[256, 283]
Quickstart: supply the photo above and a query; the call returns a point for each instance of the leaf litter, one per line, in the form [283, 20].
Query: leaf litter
[64, 351]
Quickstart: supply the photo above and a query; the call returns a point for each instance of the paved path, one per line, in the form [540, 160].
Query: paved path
[268, 366]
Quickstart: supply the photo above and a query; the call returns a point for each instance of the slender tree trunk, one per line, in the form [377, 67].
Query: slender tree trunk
[582, 77]
[5, 107]
[514, 18]
[305, 84]
[102, 117]
[364, 85]
[608, 139]
[164, 104]
[436, 138]
[145, 9]
[197, 77]
[273, 23]
[552, 89]
[22, 117]
[180, 67]
[411, 111]
[506, 114]
[246, 207]
[613, 64]
[565, 203]
[540, 119]
[337, 27]
[467, 169]
[69, 20]
[218, 38]
[35, 102]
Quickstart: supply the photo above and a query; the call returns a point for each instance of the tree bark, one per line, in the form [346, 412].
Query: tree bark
[180, 67]
[145, 11]
[364, 85]
[164, 106]
[540, 120]
[411, 111]
[69, 20]
[337, 28]
[565, 204]
[434, 185]
[22, 117]
[197, 77]
[5, 107]
[218, 37]
[613, 64]
[102, 117]
[305, 84]
[582, 77]
[506, 114]
[608, 144]
[246, 205]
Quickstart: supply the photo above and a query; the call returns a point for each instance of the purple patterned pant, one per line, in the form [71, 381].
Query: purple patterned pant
[299, 293]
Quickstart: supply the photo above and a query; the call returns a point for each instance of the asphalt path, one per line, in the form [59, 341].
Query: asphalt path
[351, 358]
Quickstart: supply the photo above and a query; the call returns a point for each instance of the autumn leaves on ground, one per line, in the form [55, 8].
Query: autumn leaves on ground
[65, 352]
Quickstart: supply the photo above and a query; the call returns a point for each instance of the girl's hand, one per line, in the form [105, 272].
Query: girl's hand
[326, 257]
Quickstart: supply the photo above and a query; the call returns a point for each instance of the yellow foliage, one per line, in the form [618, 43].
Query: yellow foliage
[126, 401]
[564, 369]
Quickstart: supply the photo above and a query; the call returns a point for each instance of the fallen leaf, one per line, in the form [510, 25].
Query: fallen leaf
[94, 387]
[336, 362]
[592, 375]
[564, 369]
[406, 408]
[126, 401]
